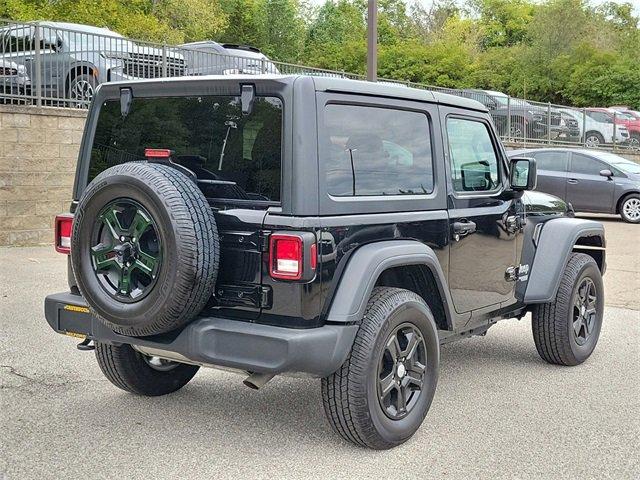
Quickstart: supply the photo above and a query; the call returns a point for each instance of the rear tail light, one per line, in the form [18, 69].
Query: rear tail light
[157, 153]
[292, 256]
[62, 238]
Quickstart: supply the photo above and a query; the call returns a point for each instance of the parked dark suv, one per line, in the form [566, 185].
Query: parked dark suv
[590, 180]
[313, 226]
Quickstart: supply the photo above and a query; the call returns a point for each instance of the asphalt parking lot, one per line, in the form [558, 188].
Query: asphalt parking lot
[499, 412]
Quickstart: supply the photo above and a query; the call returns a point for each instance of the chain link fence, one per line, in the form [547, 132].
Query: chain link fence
[57, 64]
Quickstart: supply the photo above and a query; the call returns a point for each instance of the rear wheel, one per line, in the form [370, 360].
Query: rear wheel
[566, 330]
[382, 392]
[137, 373]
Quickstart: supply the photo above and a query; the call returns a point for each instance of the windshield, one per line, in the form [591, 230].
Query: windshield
[503, 101]
[234, 156]
[628, 167]
[619, 162]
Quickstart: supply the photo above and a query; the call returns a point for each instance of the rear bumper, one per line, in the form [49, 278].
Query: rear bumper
[220, 342]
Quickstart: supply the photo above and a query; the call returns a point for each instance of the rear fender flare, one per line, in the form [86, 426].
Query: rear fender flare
[366, 265]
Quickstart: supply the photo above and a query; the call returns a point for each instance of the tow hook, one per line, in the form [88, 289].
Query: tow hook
[86, 345]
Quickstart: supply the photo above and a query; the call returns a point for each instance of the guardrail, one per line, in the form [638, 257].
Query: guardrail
[46, 64]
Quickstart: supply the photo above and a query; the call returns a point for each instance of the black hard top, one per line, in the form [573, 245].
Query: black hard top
[326, 84]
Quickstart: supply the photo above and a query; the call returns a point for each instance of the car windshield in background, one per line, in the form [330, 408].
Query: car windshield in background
[621, 163]
[628, 167]
[234, 156]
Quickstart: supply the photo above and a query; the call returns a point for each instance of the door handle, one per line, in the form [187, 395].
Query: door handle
[463, 228]
[572, 181]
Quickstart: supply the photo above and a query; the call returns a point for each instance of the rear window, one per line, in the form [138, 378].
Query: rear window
[376, 151]
[234, 156]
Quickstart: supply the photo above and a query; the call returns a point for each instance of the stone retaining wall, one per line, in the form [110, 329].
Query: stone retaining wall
[38, 155]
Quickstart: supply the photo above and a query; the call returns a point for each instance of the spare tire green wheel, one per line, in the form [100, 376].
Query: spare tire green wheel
[144, 248]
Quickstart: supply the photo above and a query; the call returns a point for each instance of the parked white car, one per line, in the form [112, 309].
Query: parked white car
[599, 128]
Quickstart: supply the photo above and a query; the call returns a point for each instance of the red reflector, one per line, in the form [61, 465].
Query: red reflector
[62, 236]
[157, 152]
[285, 257]
[314, 256]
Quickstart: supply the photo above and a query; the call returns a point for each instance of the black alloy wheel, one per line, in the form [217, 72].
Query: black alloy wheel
[126, 251]
[584, 311]
[401, 371]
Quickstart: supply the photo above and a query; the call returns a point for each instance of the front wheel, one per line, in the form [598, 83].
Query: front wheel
[382, 392]
[137, 373]
[566, 330]
[630, 209]
[81, 90]
[593, 140]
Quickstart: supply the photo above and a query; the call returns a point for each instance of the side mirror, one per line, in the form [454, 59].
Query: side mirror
[523, 174]
[606, 173]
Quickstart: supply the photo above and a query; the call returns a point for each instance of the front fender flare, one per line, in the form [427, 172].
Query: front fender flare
[554, 245]
[364, 268]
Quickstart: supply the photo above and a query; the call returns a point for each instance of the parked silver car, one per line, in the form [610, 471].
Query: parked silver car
[213, 58]
[68, 61]
[590, 180]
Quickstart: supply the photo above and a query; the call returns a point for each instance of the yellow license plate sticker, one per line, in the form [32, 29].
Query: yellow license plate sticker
[75, 308]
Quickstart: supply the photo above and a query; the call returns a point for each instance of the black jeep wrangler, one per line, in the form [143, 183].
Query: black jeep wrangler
[304, 225]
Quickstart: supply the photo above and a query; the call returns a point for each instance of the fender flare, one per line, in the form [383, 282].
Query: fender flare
[364, 268]
[555, 243]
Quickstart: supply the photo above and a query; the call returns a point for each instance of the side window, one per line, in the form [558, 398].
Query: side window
[600, 117]
[586, 165]
[370, 151]
[474, 163]
[553, 161]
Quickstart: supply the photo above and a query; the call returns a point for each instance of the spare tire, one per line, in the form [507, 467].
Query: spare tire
[144, 248]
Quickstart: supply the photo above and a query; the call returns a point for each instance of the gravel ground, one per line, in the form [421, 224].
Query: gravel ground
[499, 412]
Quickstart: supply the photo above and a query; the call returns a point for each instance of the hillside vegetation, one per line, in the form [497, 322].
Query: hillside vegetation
[563, 51]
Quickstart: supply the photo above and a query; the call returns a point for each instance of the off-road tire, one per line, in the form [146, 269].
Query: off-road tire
[350, 394]
[552, 323]
[187, 227]
[126, 369]
[634, 197]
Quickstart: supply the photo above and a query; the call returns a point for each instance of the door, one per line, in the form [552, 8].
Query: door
[587, 190]
[484, 223]
[552, 172]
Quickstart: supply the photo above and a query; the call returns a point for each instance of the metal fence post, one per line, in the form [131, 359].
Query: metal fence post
[508, 132]
[549, 123]
[584, 126]
[263, 65]
[37, 60]
[165, 70]
[614, 130]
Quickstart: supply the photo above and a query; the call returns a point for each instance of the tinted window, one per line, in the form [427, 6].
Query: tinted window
[376, 151]
[474, 164]
[554, 161]
[586, 165]
[234, 156]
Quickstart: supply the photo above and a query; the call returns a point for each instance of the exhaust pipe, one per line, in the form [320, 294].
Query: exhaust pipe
[256, 381]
